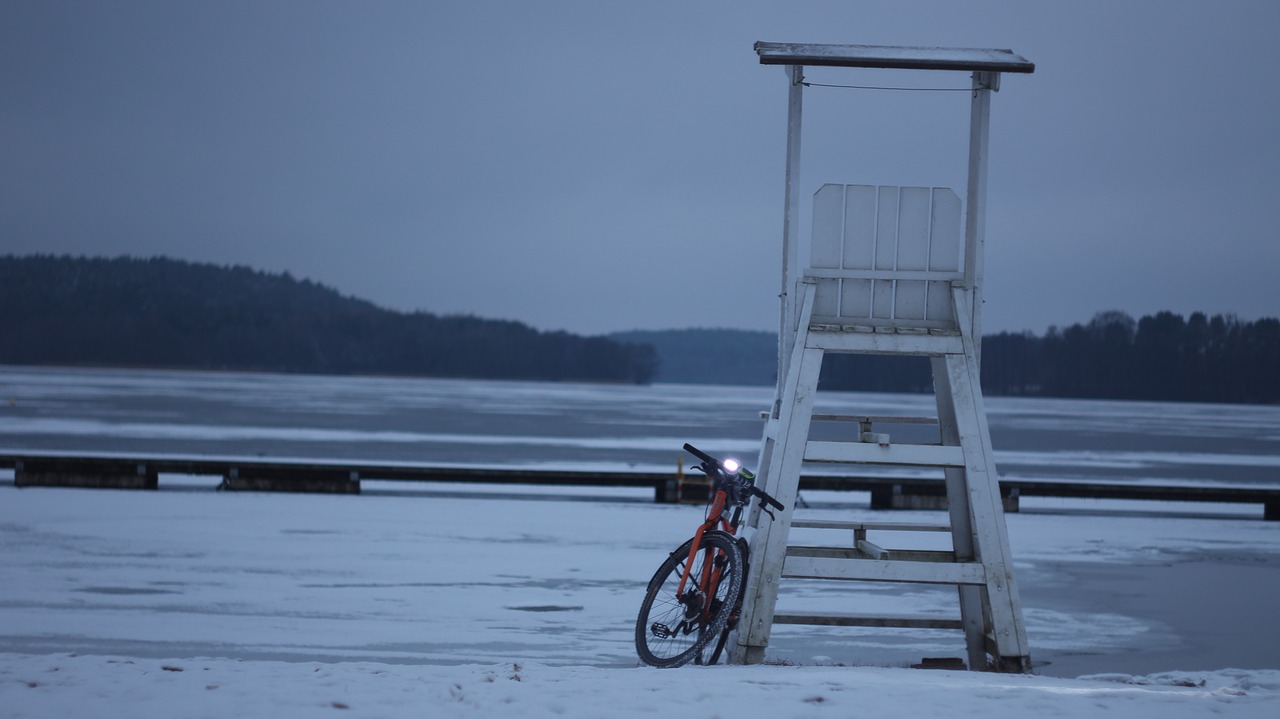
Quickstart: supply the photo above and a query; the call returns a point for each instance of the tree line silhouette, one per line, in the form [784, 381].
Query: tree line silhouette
[172, 314]
[1158, 357]
[168, 313]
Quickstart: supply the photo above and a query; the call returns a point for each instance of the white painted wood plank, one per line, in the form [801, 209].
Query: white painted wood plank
[862, 620]
[874, 570]
[914, 216]
[859, 226]
[871, 549]
[915, 209]
[989, 531]
[768, 542]
[828, 226]
[975, 218]
[939, 306]
[944, 250]
[788, 308]
[859, 248]
[822, 273]
[886, 245]
[962, 540]
[928, 455]
[826, 244]
[869, 526]
[883, 343]
[886, 249]
[855, 298]
[874, 418]
[944, 231]
[878, 56]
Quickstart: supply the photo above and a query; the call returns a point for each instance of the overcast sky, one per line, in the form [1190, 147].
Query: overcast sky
[597, 166]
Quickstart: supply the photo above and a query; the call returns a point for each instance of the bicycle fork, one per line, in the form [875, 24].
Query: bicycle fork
[699, 603]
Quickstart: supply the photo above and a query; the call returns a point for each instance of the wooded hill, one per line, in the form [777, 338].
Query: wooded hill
[710, 356]
[1113, 356]
[171, 314]
[1158, 357]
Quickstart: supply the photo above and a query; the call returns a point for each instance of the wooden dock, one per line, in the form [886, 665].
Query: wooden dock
[257, 474]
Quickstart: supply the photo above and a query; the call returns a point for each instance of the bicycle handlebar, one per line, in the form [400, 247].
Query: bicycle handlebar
[767, 499]
[702, 455]
[752, 490]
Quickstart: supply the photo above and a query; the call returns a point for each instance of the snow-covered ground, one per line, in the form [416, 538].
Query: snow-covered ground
[461, 601]
[93, 686]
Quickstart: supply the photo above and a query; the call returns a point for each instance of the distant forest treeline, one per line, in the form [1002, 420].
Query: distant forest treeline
[710, 356]
[167, 313]
[1159, 357]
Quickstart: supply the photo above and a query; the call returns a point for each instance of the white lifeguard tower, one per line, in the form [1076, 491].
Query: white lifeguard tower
[893, 271]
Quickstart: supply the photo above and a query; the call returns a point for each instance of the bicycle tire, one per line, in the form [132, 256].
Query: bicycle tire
[732, 623]
[672, 631]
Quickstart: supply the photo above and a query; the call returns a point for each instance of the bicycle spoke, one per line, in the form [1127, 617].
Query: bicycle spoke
[673, 628]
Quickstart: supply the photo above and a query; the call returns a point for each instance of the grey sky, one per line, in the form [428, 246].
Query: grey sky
[598, 166]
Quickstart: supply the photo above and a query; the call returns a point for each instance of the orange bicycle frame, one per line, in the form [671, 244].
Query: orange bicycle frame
[714, 516]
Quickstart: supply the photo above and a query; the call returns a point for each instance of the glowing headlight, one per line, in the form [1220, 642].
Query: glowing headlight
[732, 465]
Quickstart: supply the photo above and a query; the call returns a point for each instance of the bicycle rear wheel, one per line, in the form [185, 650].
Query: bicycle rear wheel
[734, 615]
[674, 627]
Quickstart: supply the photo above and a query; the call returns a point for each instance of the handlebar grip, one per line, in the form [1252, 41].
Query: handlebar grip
[700, 454]
[764, 497]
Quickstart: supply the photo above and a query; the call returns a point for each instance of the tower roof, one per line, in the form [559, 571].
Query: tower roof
[911, 58]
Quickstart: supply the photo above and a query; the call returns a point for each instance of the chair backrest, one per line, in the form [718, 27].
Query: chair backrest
[885, 256]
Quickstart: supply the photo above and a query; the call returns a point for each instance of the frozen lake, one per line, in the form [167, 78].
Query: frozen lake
[450, 574]
[443, 422]
[444, 574]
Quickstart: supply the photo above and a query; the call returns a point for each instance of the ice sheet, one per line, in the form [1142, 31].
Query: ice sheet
[189, 603]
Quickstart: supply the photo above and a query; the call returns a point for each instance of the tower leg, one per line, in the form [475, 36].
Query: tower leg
[1003, 607]
[972, 614]
[768, 541]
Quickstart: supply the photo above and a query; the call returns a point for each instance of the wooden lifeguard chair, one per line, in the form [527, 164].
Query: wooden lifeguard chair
[893, 271]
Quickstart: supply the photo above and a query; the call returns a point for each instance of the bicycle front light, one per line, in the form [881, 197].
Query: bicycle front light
[732, 466]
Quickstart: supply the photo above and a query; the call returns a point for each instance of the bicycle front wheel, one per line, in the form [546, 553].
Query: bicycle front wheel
[675, 624]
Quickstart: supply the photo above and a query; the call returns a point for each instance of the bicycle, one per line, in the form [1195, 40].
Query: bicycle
[696, 595]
